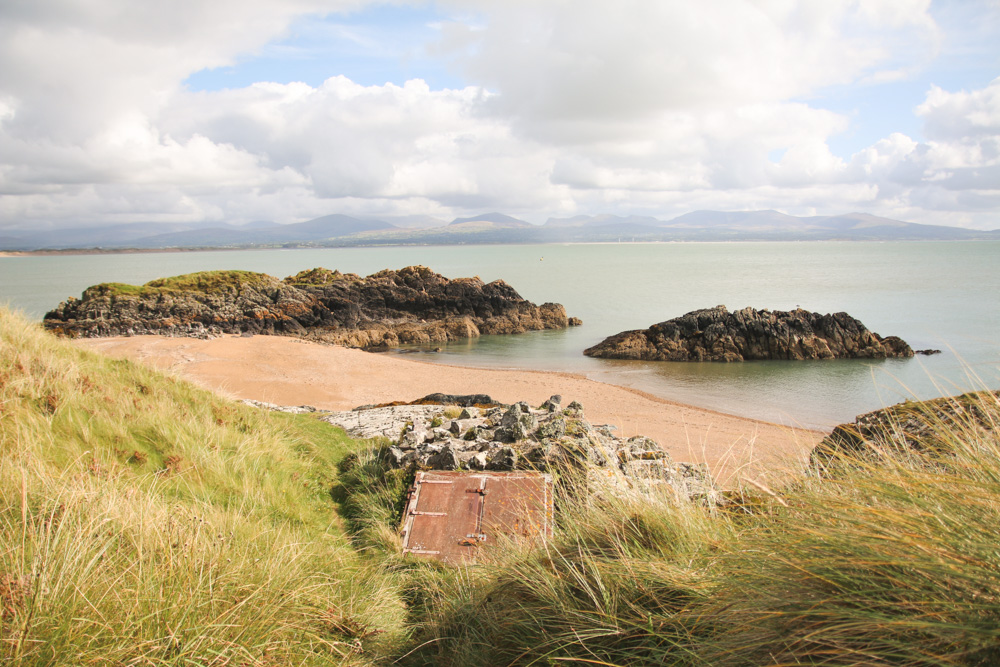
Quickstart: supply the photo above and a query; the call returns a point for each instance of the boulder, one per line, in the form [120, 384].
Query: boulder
[503, 458]
[554, 404]
[516, 424]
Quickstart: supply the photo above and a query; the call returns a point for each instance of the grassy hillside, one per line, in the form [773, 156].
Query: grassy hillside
[146, 522]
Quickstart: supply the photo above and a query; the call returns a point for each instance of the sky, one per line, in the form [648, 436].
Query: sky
[236, 111]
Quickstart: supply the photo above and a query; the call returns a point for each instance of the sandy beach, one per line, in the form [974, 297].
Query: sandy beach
[288, 371]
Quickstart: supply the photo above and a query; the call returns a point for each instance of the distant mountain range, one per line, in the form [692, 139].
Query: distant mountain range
[491, 228]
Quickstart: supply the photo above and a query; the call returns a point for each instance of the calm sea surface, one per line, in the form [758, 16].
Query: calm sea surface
[940, 295]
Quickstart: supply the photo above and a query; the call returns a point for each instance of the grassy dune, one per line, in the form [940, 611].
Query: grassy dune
[145, 522]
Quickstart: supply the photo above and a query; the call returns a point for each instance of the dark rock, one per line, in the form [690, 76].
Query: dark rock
[927, 352]
[575, 322]
[479, 461]
[554, 404]
[494, 415]
[383, 310]
[516, 424]
[395, 456]
[478, 432]
[555, 428]
[715, 334]
[461, 400]
[460, 427]
[504, 458]
[911, 426]
[542, 457]
[446, 459]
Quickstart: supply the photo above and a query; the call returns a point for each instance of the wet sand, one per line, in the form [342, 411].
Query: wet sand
[288, 371]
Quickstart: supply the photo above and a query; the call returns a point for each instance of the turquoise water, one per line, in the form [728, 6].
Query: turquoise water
[940, 295]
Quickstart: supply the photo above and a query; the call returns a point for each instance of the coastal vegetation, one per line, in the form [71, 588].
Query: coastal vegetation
[144, 521]
[202, 281]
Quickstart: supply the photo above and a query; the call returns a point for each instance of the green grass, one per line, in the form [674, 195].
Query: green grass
[318, 276]
[146, 522]
[203, 281]
[372, 498]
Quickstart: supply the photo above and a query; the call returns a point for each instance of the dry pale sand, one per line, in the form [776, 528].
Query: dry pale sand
[288, 371]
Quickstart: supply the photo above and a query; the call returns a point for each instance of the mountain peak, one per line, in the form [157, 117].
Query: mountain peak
[494, 217]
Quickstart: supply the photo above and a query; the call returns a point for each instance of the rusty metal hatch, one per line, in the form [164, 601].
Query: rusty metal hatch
[453, 515]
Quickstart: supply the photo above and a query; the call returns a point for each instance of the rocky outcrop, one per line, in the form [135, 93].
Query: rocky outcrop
[715, 334]
[912, 426]
[411, 305]
[550, 438]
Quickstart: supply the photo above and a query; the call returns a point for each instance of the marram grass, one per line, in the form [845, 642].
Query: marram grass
[892, 560]
[895, 561]
[147, 522]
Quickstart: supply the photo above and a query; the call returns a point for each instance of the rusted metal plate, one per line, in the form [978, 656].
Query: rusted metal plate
[453, 515]
[518, 506]
[438, 518]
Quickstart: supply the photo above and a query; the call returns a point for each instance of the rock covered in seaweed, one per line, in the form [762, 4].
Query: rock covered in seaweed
[715, 334]
[411, 305]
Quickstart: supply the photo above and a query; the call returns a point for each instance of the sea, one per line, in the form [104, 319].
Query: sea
[939, 295]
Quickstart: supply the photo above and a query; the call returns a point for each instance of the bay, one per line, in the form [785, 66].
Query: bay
[943, 295]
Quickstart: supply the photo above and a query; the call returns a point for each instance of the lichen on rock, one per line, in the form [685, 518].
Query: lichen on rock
[520, 437]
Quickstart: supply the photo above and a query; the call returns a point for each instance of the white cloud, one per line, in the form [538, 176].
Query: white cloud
[582, 106]
[964, 126]
[624, 62]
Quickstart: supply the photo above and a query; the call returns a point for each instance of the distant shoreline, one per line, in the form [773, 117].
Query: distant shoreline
[141, 251]
[113, 251]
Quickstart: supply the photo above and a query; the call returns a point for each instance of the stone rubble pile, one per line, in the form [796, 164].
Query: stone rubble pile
[550, 438]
